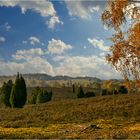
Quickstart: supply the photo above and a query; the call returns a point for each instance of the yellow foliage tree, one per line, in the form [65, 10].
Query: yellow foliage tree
[125, 50]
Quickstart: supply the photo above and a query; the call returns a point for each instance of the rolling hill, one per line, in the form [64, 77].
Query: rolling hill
[108, 117]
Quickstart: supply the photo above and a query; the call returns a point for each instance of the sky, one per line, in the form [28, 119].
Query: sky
[54, 37]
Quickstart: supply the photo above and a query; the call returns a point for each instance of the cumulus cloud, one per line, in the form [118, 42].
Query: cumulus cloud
[28, 54]
[85, 66]
[2, 39]
[82, 9]
[6, 26]
[53, 20]
[44, 7]
[27, 61]
[58, 47]
[35, 65]
[25, 42]
[98, 44]
[33, 40]
[35, 61]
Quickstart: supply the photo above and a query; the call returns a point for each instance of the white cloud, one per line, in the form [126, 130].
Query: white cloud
[34, 40]
[32, 62]
[58, 47]
[84, 66]
[7, 26]
[85, 47]
[28, 54]
[35, 61]
[102, 54]
[98, 44]
[35, 65]
[53, 20]
[25, 42]
[82, 9]
[2, 39]
[44, 7]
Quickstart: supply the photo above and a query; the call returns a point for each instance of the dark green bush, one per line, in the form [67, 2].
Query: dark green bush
[80, 93]
[90, 94]
[44, 96]
[104, 92]
[18, 95]
[34, 95]
[123, 90]
[5, 93]
[73, 88]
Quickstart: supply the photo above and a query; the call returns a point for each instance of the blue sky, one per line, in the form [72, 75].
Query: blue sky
[54, 37]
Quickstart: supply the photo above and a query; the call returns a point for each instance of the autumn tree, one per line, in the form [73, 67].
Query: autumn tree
[125, 50]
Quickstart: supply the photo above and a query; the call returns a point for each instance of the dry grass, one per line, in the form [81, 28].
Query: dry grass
[117, 117]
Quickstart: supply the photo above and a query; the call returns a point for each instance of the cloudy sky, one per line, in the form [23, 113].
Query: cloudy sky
[54, 37]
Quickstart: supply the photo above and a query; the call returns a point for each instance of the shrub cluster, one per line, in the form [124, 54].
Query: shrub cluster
[40, 96]
[5, 93]
[121, 90]
[14, 95]
[81, 93]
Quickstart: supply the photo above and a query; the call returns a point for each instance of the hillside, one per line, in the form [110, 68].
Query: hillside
[111, 116]
[47, 77]
[37, 79]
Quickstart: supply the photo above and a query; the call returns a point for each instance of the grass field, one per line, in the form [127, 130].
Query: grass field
[111, 116]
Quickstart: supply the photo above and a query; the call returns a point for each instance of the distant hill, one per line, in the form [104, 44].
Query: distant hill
[37, 79]
[38, 76]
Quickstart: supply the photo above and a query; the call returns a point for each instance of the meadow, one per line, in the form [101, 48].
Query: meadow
[111, 116]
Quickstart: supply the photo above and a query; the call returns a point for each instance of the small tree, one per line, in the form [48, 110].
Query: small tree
[50, 95]
[2, 93]
[90, 94]
[19, 93]
[80, 93]
[44, 96]
[24, 91]
[34, 95]
[123, 90]
[104, 92]
[9, 86]
[73, 88]
[5, 93]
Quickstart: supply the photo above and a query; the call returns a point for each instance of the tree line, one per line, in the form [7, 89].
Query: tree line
[121, 90]
[14, 95]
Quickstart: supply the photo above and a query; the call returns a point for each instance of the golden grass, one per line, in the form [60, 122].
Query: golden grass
[117, 117]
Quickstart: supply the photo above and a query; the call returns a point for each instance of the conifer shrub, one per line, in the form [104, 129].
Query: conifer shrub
[18, 94]
[34, 95]
[44, 96]
[104, 92]
[90, 94]
[5, 93]
[80, 93]
[73, 88]
[123, 90]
